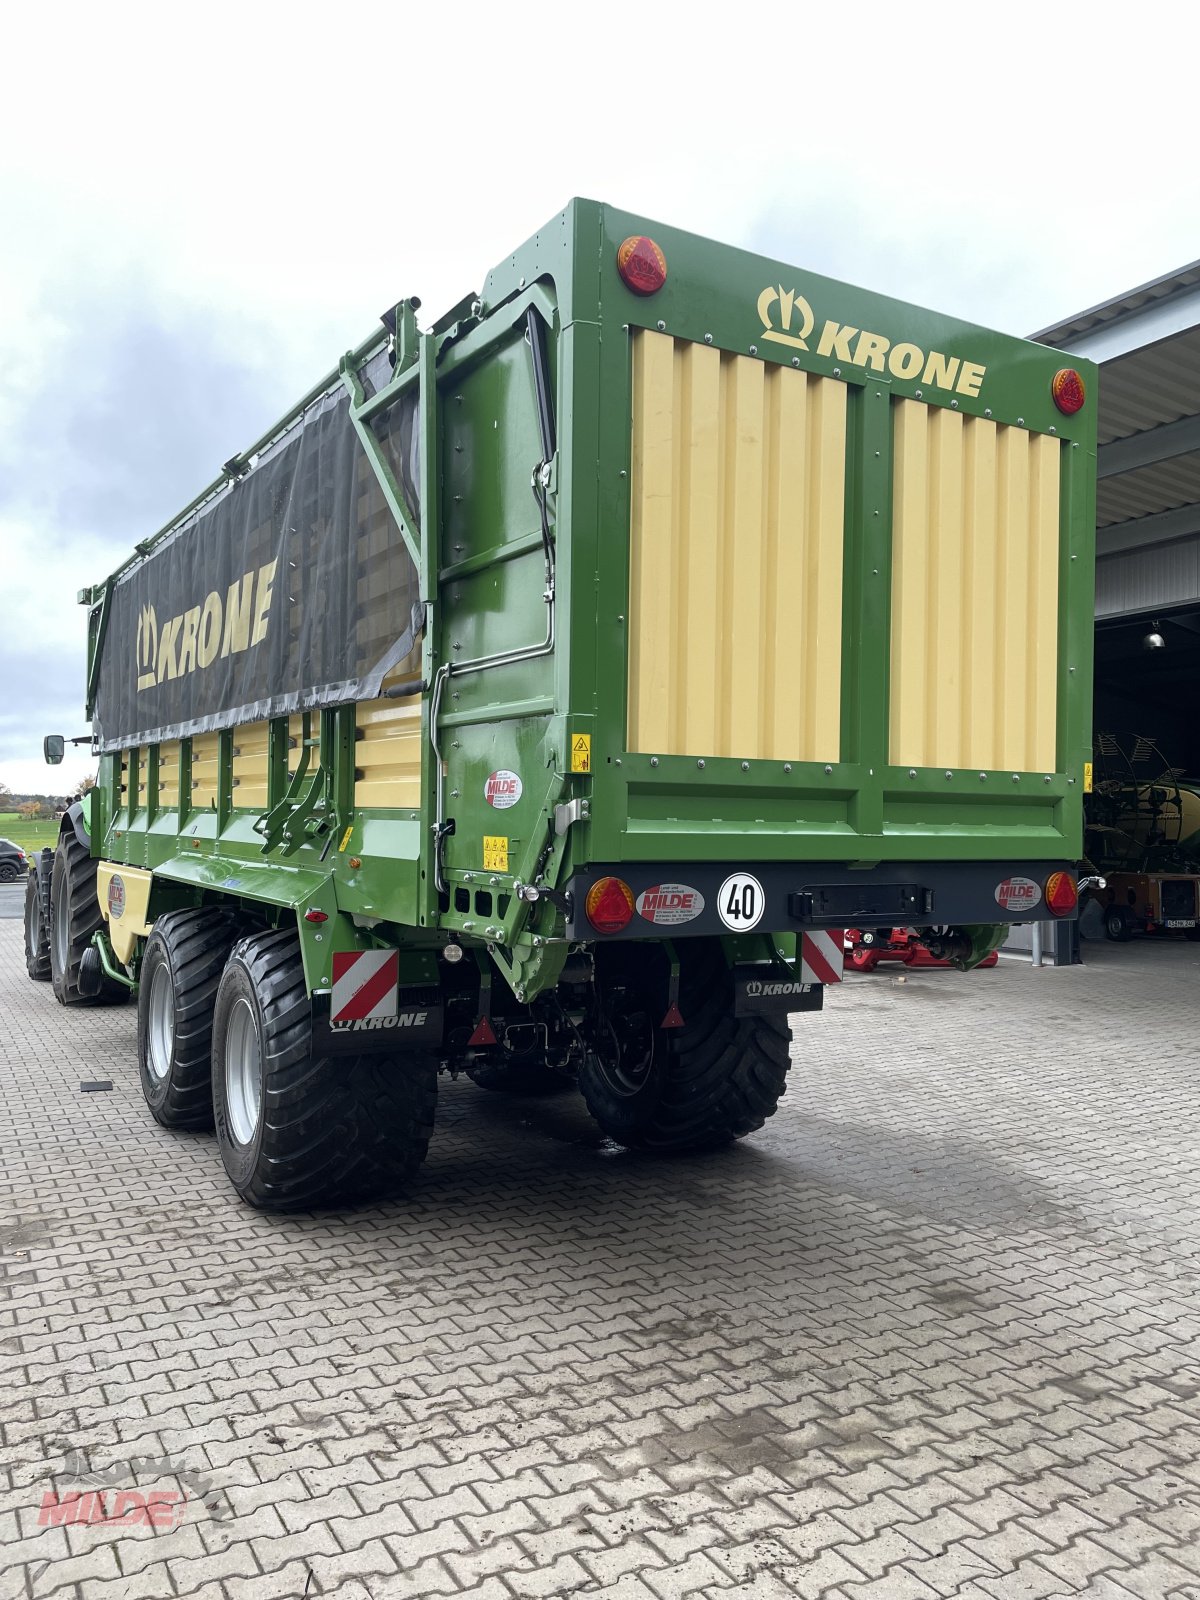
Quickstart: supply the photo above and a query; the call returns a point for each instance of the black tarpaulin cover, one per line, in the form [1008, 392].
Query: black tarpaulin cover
[292, 589]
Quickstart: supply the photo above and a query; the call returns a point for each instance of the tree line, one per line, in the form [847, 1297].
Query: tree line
[34, 806]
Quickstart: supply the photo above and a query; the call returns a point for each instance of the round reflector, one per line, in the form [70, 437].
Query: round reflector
[1061, 893]
[642, 265]
[609, 905]
[1067, 391]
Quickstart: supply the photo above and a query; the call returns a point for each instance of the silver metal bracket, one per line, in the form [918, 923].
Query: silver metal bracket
[577, 810]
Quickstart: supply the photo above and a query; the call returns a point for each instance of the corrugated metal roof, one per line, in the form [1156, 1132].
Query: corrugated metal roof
[1150, 380]
[1158, 384]
[1122, 305]
[1158, 576]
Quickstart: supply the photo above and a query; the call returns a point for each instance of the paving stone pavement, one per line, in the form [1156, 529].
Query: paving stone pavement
[934, 1332]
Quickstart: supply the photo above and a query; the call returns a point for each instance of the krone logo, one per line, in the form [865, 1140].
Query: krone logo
[147, 639]
[787, 318]
[226, 623]
[778, 309]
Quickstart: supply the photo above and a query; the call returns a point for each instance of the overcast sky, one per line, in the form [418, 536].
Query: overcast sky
[202, 207]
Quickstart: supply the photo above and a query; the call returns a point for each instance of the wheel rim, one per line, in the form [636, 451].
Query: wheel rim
[62, 925]
[160, 1022]
[243, 1072]
[625, 1051]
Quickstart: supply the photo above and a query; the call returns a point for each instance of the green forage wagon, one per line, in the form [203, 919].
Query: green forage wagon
[544, 694]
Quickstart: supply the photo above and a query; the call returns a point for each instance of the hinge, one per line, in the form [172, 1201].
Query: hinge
[577, 810]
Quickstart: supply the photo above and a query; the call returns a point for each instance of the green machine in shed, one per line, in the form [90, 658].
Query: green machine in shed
[544, 694]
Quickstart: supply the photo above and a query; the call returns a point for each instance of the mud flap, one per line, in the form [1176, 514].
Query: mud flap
[416, 1020]
[765, 989]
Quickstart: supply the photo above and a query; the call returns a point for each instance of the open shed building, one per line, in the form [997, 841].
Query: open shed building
[1147, 660]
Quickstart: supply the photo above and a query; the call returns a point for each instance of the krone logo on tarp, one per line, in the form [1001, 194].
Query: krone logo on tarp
[222, 625]
[788, 319]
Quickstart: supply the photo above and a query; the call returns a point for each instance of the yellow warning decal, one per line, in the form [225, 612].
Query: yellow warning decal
[346, 838]
[495, 853]
[1087, 777]
[581, 752]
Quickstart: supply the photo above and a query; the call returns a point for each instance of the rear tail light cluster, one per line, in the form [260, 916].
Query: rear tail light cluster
[609, 905]
[1062, 894]
[642, 265]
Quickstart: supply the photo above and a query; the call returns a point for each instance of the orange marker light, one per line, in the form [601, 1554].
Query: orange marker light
[1062, 893]
[1067, 391]
[609, 905]
[642, 265]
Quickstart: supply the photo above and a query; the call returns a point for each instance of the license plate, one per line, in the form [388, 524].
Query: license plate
[1179, 922]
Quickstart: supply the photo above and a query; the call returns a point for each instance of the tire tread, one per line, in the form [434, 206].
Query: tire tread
[337, 1130]
[721, 1076]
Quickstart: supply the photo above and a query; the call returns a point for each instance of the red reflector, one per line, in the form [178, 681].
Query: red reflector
[609, 905]
[673, 1018]
[1067, 391]
[1061, 893]
[316, 916]
[484, 1033]
[642, 265]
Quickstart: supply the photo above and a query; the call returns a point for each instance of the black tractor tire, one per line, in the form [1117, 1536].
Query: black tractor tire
[182, 964]
[698, 1087]
[298, 1131]
[37, 934]
[518, 1077]
[74, 917]
[1116, 925]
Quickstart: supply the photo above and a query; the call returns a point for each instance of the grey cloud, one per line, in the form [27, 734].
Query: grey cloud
[115, 437]
[148, 407]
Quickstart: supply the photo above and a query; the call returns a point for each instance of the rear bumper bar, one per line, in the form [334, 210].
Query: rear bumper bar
[679, 901]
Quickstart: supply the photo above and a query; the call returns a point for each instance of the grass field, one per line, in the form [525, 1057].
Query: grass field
[30, 836]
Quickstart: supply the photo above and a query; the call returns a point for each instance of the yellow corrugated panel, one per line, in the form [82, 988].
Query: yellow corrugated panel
[738, 513]
[168, 775]
[388, 753]
[204, 771]
[250, 746]
[974, 645]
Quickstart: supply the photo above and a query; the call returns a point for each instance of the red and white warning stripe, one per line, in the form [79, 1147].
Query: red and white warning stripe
[365, 984]
[821, 956]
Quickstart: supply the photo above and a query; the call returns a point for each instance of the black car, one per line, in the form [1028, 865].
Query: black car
[12, 861]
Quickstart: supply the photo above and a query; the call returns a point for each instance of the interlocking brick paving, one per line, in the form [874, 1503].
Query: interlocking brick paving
[934, 1332]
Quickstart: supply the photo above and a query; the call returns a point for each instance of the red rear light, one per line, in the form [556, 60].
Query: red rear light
[1067, 391]
[642, 265]
[1061, 893]
[609, 905]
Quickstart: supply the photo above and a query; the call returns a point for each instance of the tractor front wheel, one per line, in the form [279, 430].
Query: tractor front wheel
[37, 934]
[75, 916]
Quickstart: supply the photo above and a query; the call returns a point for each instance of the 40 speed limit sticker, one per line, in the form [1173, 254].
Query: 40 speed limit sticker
[741, 902]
